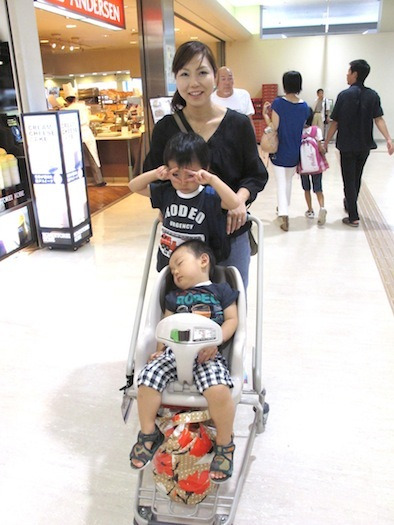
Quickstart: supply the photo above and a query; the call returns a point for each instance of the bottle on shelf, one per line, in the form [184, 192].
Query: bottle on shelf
[6, 172]
[1, 179]
[14, 170]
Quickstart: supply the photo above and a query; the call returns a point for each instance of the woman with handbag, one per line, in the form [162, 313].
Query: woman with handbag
[229, 135]
[289, 114]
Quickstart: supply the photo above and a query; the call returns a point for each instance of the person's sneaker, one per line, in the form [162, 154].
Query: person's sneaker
[284, 222]
[310, 214]
[321, 219]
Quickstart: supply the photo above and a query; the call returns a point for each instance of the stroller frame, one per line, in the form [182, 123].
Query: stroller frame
[150, 506]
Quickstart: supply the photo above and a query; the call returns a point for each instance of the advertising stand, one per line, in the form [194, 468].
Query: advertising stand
[54, 148]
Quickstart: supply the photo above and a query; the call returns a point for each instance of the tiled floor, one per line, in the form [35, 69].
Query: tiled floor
[327, 455]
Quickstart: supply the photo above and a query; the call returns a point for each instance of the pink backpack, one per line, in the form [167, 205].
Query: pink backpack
[311, 160]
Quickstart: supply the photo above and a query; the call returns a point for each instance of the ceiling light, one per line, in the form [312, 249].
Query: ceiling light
[71, 48]
[44, 41]
[53, 45]
[176, 29]
[71, 26]
[194, 38]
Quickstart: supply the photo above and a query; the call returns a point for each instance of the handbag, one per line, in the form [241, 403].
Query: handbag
[269, 141]
[254, 247]
[182, 462]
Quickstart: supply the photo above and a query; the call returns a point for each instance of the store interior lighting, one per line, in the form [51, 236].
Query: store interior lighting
[57, 44]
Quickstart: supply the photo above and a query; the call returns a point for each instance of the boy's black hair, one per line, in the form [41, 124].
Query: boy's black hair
[292, 82]
[186, 148]
[308, 121]
[197, 248]
[362, 68]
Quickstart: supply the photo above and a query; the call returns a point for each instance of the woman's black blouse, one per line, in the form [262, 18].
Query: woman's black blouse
[234, 155]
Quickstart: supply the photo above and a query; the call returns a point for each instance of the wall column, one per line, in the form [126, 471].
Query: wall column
[157, 49]
[24, 40]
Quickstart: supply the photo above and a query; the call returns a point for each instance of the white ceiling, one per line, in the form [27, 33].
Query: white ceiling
[205, 13]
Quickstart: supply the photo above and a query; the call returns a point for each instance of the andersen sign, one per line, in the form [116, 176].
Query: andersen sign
[110, 12]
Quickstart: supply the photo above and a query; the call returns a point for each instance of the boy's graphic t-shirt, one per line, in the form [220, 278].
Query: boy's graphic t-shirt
[209, 300]
[196, 215]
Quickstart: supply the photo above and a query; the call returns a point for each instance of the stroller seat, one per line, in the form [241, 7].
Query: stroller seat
[184, 394]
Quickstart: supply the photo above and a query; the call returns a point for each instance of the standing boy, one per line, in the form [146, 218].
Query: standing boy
[192, 201]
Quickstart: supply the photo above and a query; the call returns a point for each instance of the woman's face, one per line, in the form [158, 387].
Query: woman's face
[195, 81]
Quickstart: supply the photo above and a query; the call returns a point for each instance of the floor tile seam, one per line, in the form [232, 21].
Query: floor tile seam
[380, 239]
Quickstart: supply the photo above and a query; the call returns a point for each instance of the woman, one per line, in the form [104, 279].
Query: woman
[229, 135]
[89, 142]
[289, 114]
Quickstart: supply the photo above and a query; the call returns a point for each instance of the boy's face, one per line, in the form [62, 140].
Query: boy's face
[187, 269]
[181, 179]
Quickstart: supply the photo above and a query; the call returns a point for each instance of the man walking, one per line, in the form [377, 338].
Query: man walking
[355, 111]
[320, 111]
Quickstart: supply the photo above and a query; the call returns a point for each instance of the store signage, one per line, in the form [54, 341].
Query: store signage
[110, 12]
[54, 147]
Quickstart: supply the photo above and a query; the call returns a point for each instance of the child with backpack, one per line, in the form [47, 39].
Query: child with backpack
[312, 164]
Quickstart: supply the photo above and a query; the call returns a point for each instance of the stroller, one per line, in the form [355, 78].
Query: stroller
[151, 507]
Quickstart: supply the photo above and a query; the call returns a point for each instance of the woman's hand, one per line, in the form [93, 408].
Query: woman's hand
[266, 107]
[236, 218]
[206, 354]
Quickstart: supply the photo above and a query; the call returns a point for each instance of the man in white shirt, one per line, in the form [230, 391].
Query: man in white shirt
[320, 111]
[228, 96]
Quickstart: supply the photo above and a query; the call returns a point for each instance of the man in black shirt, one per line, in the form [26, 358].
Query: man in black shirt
[355, 111]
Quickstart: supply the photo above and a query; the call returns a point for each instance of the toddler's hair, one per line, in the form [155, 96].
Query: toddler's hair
[197, 248]
[187, 148]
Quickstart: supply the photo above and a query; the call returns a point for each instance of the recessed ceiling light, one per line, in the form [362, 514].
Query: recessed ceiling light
[194, 38]
[71, 26]
[176, 29]
[44, 41]
[133, 42]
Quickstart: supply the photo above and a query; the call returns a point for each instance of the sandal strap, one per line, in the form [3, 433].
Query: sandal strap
[140, 452]
[221, 462]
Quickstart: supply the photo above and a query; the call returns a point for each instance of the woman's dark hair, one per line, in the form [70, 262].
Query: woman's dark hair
[197, 248]
[362, 68]
[308, 121]
[186, 148]
[292, 82]
[183, 55]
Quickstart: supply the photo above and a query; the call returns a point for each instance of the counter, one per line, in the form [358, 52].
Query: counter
[120, 155]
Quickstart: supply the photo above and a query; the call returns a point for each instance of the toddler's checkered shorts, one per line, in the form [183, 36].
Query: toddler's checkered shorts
[161, 371]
